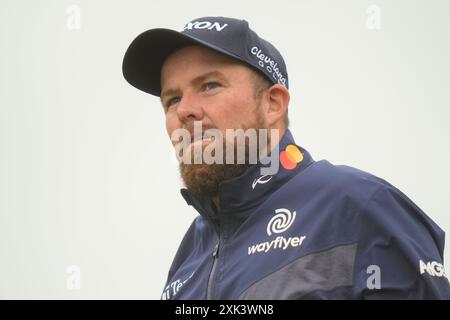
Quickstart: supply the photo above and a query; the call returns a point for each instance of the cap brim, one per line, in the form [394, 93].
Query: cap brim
[145, 56]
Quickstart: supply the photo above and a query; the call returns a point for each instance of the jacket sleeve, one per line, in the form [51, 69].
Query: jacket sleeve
[400, 250]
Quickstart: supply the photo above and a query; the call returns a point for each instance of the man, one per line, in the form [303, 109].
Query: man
[307, 229]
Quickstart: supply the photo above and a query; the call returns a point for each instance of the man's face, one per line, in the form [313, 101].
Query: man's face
[199, 84]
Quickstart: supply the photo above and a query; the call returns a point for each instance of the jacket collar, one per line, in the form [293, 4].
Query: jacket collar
[238, 196]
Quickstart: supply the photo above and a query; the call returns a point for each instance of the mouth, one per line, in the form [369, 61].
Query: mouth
[201, 141]
[195, 140]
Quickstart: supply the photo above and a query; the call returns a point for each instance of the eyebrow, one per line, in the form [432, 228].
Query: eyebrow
[197, 79]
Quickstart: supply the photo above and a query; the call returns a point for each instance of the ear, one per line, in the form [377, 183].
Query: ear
[278, 100]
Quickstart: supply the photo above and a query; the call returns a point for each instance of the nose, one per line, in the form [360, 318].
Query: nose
[189, 109]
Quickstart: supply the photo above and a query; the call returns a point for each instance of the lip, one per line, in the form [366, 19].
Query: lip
[201, 142]
[192, 136]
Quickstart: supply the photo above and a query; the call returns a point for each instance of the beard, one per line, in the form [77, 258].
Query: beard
[205, 178]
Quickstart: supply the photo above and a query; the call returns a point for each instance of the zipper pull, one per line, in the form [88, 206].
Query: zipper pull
[216, 250]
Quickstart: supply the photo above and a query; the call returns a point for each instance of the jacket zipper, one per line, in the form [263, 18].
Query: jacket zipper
[213, 271]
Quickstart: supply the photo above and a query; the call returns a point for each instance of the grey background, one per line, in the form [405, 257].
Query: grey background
[87, 176]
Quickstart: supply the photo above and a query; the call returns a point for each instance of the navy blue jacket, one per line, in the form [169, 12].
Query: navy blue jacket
[318, 231]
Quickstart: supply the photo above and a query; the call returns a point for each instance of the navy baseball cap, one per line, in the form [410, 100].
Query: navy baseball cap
[145, 56]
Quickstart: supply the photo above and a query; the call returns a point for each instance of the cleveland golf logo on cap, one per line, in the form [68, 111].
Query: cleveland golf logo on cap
[269, 64]
[204, 25]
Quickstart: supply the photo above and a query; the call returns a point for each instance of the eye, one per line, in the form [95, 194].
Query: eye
[173, 101]
[210, 85]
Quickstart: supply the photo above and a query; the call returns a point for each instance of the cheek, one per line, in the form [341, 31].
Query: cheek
[238, 105]
[242, 110]
[172, 123]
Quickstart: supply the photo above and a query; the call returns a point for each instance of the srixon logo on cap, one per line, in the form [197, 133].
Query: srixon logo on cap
[204, 25]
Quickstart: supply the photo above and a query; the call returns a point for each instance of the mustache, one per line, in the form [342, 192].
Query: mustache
[190, 127]
[193, 129]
